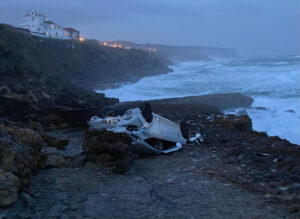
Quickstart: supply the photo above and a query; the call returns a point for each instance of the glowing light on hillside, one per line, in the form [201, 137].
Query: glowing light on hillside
[81, 39]
[105, 44]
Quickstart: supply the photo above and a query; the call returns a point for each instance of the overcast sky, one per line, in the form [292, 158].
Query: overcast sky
[253, 27]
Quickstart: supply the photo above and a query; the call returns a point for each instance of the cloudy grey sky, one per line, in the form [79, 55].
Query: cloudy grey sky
[253, 27]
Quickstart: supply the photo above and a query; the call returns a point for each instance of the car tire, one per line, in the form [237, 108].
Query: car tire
[146, 111]
[184, 129]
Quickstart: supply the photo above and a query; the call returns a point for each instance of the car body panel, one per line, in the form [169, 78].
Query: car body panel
[164, 134]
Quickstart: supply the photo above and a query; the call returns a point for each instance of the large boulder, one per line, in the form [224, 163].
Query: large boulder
[25, 136]
[19, 159]
[108, 149]
[56, 139]
[55, 161]
[232, 122]
[8, 188]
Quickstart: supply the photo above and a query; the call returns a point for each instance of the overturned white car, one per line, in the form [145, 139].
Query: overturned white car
[150, 132]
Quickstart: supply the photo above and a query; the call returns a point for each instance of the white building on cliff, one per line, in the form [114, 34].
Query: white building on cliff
[39, 25]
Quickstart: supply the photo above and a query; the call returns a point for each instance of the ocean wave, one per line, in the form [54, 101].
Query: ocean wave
[274, 84]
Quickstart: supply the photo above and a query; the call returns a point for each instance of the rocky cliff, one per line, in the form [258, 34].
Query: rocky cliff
[84, 63]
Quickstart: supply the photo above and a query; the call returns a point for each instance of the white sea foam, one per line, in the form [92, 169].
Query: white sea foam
[281, 117]
[274, 84]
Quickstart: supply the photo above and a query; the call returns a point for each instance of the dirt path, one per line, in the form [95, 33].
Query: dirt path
[167, 186]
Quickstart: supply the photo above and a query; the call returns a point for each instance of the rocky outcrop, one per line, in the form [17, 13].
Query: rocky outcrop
[25, 136]
[40, 110]
[40, 104]
[108, 149]
[19, 159]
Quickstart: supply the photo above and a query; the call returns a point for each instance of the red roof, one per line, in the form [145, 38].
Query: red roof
[69, 29]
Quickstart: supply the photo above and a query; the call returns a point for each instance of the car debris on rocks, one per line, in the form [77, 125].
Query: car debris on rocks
[150, 132]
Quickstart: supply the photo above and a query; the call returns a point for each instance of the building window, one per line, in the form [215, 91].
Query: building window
[52, 26]
[56, 33]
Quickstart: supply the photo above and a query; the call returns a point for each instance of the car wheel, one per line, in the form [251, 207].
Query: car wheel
[184, 129]
[146, 112]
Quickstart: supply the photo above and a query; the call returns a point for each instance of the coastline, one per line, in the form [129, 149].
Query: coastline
[46, 171]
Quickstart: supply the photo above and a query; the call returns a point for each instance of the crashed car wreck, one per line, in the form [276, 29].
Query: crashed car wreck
[151, 133]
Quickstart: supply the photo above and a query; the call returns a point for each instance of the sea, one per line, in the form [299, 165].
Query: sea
[273, 83]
